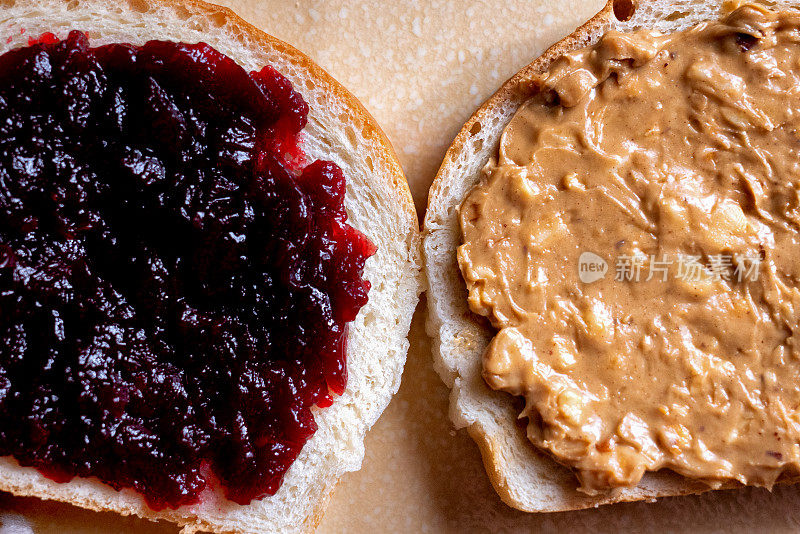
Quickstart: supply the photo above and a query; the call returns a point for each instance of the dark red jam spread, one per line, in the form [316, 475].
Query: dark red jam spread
[174, 288]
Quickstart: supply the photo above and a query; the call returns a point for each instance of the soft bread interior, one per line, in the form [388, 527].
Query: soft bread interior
[523, 477]
[378, 203]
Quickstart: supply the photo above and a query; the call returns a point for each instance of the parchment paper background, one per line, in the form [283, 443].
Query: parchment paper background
[421, 67]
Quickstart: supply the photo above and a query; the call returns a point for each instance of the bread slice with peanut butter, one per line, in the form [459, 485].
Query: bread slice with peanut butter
[627, 382]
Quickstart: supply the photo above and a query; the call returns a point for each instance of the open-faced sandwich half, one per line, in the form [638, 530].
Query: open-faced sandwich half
[613, 250]
[208, 266]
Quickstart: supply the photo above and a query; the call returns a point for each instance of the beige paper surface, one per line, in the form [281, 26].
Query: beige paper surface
[422, 67]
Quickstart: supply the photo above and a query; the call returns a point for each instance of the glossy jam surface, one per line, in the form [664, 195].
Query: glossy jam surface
[174, 288]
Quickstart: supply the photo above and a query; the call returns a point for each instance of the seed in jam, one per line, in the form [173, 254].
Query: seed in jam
[174, 289]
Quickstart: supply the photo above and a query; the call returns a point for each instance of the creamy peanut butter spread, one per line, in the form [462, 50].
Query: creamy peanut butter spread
[636, 243]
